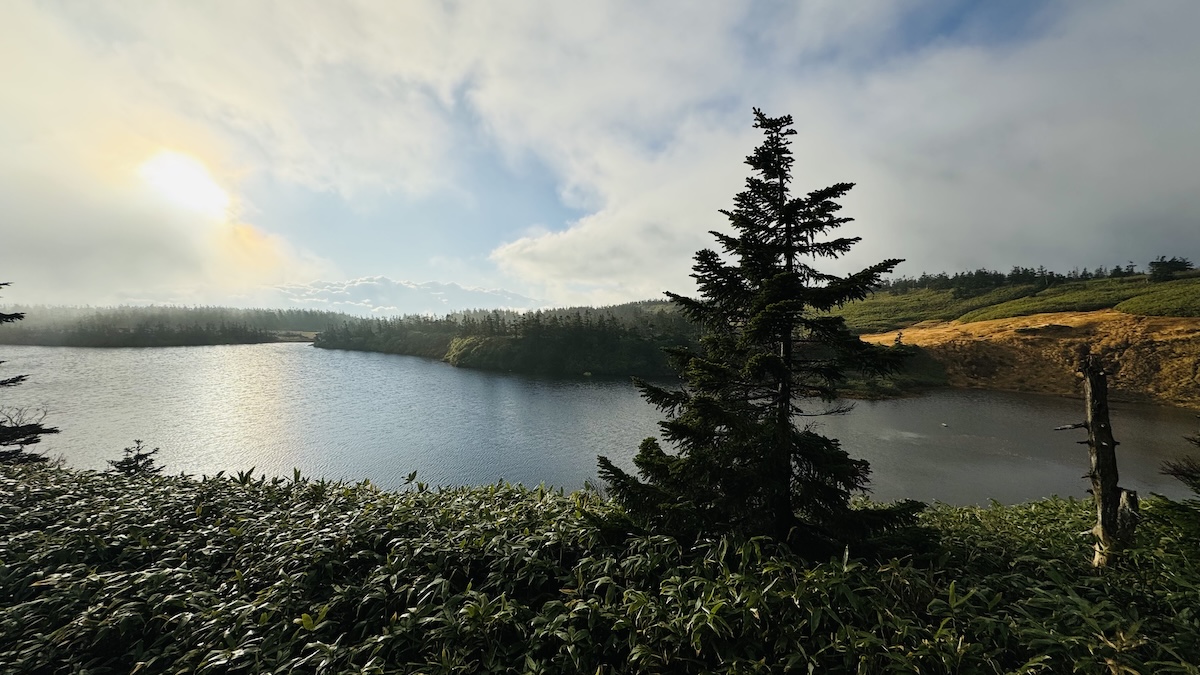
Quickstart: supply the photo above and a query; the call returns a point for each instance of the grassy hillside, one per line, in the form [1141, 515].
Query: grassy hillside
[887, 311]
[108, 574]
[1025, 338]
[1179, 298]
[1137, 298]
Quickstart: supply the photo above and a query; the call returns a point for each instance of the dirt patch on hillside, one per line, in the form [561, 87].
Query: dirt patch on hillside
[1149, 358]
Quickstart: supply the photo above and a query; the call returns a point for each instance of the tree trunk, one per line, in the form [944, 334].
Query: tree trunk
[784, 517]
[1116, 509]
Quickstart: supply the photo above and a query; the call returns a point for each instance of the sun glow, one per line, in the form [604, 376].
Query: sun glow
[185, 181]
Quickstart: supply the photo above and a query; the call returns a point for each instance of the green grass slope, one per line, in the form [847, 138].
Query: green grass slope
[1086, 296]
[1178, 298]
[887, 311]
[106, 574]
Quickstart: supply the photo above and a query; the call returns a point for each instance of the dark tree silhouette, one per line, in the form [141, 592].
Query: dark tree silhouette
[1162, 269]
[19, 427]
[137, 461]
[1187, 468]
[769, 349]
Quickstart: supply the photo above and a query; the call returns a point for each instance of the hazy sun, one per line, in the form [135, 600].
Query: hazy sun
[185, 181]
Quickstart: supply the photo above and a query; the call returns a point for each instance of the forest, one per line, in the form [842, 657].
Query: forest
[966, 284]
[160, 326]
[619, 340]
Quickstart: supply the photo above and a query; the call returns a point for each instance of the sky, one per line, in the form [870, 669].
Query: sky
[215, 152]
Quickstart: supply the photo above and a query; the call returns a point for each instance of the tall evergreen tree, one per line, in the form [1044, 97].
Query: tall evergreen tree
[18, 427]
[769, 350]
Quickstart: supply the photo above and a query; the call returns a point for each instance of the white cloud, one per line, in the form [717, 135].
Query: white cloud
[658, 214]
[78, 224]
[1070, 149]
[1073, 145]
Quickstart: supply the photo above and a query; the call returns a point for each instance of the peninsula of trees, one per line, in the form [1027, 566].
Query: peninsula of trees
[610, 341]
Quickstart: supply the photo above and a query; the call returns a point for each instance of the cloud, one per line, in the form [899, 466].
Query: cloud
[78, 223]
[1062, 136]
[71, 239]
[333, 97]
[658, 212]
[1070, 148]
[1067, 146]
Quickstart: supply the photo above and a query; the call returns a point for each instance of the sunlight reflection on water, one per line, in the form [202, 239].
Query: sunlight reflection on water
[354, 415]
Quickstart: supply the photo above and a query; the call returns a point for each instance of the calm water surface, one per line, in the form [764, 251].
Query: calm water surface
[355, 415]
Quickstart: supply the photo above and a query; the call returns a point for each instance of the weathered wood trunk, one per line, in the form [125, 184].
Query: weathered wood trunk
[1116, 508]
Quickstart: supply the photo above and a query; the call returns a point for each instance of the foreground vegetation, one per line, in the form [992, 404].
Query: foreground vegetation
[103, 573]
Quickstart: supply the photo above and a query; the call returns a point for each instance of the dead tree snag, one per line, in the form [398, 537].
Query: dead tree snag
[1116, 508]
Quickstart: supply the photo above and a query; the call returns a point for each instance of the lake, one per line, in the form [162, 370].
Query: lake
[358, 415]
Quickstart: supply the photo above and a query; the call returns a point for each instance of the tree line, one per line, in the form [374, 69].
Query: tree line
[130, 316]
[982, 280]
[619, 340]
[159, 326]
[95, 334]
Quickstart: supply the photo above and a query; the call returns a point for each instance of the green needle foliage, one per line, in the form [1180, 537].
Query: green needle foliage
[1187, 468]
[770, 352]
[137, 461]
[19, 427]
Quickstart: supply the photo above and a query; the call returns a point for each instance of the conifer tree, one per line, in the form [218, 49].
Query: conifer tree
[19, 428]
[137, 461]
[769, 351]
[1186, 469]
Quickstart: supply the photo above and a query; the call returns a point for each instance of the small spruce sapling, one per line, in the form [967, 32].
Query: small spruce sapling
[138, 461]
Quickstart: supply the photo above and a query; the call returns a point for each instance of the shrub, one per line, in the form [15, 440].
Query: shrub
[108, 573]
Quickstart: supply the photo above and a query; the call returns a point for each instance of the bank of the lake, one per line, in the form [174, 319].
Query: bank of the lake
[1153, 359]
[1150, 358]
[355, 415]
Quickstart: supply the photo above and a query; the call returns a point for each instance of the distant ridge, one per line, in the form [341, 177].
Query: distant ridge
[382, 296]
